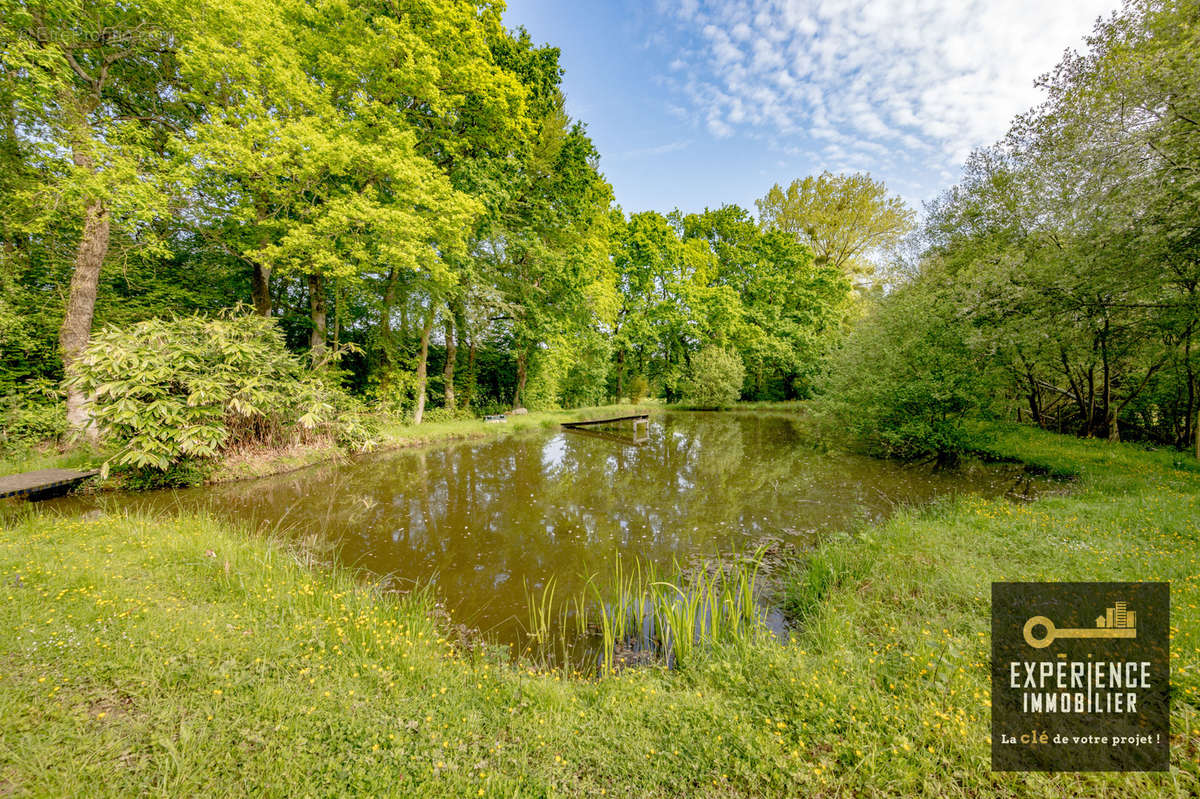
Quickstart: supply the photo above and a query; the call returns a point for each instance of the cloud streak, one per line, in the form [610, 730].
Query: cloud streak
[661, 149]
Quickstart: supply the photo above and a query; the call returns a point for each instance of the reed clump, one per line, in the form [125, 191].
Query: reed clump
[634, 609]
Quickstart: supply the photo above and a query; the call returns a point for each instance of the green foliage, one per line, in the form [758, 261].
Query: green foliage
[637, 389]
[845, 219]
[1071, 246]
[276, 152]
[195, 387]
[789, 306]
[714, 379]
[185, 473]
[904, 382]
[688, 281]
[585, 375]
[30, 418]
[446, 415]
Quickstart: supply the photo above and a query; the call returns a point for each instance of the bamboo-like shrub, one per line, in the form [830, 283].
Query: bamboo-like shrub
[169, 390]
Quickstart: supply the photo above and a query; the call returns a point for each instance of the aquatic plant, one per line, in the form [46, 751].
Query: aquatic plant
[541, 611]
[634, 609]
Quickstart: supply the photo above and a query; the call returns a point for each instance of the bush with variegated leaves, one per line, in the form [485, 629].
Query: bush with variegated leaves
[171, 390]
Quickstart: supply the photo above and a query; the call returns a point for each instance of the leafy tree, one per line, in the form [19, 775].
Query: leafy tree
[546, 248]
[714, 379]
[844, 219]
[792, 308]
[90, 92]
[671, 304]
[1071, 245]
[904, 380]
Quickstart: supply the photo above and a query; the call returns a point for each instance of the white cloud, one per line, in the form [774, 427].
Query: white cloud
[718, 128]
[874, 83]
[661, 149]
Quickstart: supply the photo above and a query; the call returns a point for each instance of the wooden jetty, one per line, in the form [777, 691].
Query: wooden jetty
[640, 420]
[42, 484]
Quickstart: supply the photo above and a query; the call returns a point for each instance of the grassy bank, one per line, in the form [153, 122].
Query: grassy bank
[177, 656]
[51, 458]
[393, 434]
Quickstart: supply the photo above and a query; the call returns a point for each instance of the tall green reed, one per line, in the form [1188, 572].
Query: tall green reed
[633, 609]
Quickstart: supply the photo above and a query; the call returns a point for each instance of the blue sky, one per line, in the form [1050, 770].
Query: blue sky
[693, 104]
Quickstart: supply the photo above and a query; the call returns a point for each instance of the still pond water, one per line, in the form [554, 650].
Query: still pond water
[484, 519]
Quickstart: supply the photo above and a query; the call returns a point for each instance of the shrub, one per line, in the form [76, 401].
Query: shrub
[395, 391]
[715, 379]
[32, 417]
[182, 474]
[905, 380]
[444, 414]
[192, 388]
[637, 389]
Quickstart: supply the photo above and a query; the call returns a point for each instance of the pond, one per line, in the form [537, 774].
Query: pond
[486, 519]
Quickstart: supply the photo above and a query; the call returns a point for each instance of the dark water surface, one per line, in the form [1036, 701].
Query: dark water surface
[484, 518]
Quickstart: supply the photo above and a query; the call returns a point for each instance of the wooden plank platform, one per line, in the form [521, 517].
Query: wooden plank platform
[607, 421]
[42, 483]
[641, 421]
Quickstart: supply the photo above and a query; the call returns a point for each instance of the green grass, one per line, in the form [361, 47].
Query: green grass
[34, 459]
[135, 662]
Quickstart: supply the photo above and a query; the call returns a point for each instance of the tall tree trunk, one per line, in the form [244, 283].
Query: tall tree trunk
[387, 345]
[260, 289]
[448, 369]
[620, 375]
[1035, 410]
[1090, 420]
[260, 278]
[1035, 402]
[1076, 393]
[76, 328]
[1191, 398]
[461, 334]
[1110, 413]
[337, 314]
[469, 389]
[316, 303]
[422, 365]
[521, 363]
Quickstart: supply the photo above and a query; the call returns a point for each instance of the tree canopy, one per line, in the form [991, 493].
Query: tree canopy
[844, 219]
[397, 185]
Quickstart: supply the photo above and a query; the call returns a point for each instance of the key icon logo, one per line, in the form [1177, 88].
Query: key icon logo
[1117, 622]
